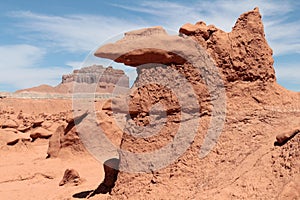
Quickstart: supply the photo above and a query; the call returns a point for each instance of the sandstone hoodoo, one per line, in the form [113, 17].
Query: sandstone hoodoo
[243, 54]
[66, 137]
[244, 163]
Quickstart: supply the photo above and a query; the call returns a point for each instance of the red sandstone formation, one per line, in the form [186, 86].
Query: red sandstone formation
[245, 163]
[243, 54]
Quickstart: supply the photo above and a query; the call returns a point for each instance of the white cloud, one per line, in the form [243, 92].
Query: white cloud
[20, 67]
[75, 64]
[13, 56]
[82, 33]
[72, 33]
[75, 34]
[281, 34]
[288, 75]
[288, 72]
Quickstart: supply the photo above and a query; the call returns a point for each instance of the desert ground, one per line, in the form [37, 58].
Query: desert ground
[25, 171]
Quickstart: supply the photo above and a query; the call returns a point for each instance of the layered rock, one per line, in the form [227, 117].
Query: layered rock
[103, 80]
[97, 74]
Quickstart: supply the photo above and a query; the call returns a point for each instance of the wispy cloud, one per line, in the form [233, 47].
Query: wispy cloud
[78, 34]
[289, 75]
[223, 14]
[75, 64]
[72, 33]
[82, 33]
[282, 32]
[20, 67]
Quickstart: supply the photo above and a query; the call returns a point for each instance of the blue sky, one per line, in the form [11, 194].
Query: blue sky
[41, 40]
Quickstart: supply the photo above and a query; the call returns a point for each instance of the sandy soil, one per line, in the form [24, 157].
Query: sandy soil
[25, 173]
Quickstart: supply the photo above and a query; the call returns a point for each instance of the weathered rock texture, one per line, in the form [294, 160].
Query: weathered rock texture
[131, 54]
[244, 164]
[243, 54]
[66, 136]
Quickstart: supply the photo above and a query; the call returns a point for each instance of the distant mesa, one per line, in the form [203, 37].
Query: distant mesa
[103, 79]
[97, 74]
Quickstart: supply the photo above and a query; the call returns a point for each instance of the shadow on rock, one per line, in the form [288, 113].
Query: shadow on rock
[111, 170]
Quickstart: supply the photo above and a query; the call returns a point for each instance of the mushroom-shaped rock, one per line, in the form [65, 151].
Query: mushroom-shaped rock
[150, 45]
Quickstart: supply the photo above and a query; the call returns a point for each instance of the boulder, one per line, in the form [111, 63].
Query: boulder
[40, 133]
[71, 177]
[38, 122]
[283, 137]
[9, 123]
[23, 128]
[11, 137]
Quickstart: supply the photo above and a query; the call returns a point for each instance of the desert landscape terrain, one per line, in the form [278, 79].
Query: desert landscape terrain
[210, 125]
